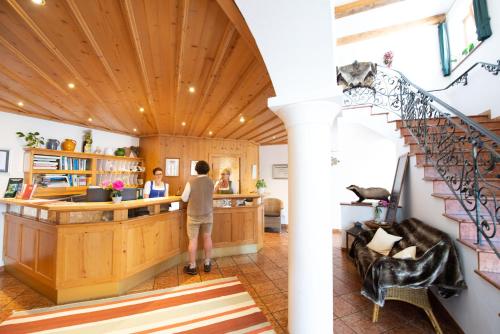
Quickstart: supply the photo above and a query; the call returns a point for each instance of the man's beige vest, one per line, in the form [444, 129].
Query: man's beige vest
[201, 196]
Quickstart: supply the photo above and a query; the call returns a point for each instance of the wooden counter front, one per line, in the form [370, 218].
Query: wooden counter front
[79, 261]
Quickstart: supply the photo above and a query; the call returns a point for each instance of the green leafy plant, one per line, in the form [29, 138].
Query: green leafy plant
[33, 139]
[260, 184]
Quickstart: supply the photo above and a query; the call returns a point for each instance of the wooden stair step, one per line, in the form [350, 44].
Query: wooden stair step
[430, 171]
[491, 186]
[452, 205]
[492, 278]
[466, 147]
[463, 218]
[440, 179]
[483, 247]
[405, 132]
[481, 119]
[489, 262]
[420, 156]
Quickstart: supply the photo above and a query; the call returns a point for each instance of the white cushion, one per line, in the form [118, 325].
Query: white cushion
[382, 242]
[407, 253]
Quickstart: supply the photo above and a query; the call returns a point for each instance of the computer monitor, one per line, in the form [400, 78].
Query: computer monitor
[129, 194]
[98, 195]
[104, 195]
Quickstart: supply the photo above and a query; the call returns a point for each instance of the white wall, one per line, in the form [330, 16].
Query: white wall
[475, 309]
[367, 147]
[416, 54]
[277, 188]
[11, 123]
[482, 92]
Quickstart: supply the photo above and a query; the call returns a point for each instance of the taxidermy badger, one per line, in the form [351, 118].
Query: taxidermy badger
[369, 193]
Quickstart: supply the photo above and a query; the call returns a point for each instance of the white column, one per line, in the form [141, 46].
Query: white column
[310, 275]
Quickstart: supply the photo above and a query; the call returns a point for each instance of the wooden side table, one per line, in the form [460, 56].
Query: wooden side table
[353, 232]
[373, 225]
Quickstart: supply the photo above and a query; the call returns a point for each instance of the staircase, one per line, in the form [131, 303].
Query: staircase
[488, 262]
[458, 153]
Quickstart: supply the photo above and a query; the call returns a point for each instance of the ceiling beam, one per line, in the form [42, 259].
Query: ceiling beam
[134, 31]
[182, 28]
[223, 50]
[249, 121]
[241, 111]
[431, 20]
[275, 140]
[360, 6]
[234, 15]
[278, 134]
[243, 75]
[269, 132]
[98, 51]
[260, 126]
[58, 54]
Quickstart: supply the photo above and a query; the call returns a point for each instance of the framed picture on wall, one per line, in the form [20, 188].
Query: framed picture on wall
[193, 166]
[4, 161]
[171, 167]
[280, 171]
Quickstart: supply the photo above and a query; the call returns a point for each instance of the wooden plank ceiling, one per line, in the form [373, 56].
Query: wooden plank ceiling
[133, 63]
[124, 55]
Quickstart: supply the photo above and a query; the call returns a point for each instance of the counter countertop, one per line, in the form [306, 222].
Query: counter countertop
[56, 205]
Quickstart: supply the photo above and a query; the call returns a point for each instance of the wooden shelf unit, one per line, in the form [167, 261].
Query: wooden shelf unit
[94, 172]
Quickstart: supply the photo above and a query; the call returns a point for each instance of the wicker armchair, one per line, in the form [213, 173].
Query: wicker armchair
[272, 214]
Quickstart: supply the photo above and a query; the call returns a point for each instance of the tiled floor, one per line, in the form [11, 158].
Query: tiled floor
[265, 276]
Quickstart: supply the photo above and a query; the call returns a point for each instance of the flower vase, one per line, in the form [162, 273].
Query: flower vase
[378, 214]
[261, 191]
[116, 199]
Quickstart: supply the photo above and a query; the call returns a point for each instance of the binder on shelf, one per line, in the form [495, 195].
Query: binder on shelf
[29, 191]
[14, 187]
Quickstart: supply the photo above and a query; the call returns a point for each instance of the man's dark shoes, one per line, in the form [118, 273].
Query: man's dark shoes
[207, 267]
[189, 270]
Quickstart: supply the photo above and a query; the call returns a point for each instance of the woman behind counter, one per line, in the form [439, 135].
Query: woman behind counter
[224, 185]
[156, 187]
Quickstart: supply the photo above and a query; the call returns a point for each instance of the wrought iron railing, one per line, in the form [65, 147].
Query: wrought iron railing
[463, 79]
[463, 152]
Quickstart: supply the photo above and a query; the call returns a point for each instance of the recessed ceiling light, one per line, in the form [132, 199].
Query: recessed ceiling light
[90, 119]
[210, 133]
[20, 103]
[71, 85]
[141, 109]
[192, 89]
[242, 119]
[274, 137]
[38, 2]
[183, 123]
[135, 130]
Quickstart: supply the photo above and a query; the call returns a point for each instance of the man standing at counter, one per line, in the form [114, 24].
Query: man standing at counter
[199, 195]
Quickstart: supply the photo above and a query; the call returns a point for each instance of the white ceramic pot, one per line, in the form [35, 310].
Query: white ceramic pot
[116, 199]
[261, 191]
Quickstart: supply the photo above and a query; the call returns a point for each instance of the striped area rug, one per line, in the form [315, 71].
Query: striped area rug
[217, 306]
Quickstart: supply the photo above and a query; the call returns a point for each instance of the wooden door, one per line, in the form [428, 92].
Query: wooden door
[219, 162]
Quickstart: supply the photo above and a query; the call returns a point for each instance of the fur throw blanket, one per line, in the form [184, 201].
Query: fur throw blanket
[437, 262]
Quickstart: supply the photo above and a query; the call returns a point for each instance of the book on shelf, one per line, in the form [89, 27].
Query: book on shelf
[52, 180]
[46, 162]
[29, 191]
[14, 186]
[68, 163]
[60, 180]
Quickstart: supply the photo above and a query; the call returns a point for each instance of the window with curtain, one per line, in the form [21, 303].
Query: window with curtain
[468, 25]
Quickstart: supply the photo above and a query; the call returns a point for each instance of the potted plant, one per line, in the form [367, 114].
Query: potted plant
[32, 138]
[261, 186]
[388, 57]
[116, 188]
[378, 208]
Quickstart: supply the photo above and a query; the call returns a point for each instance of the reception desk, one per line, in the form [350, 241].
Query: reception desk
[79, 251]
